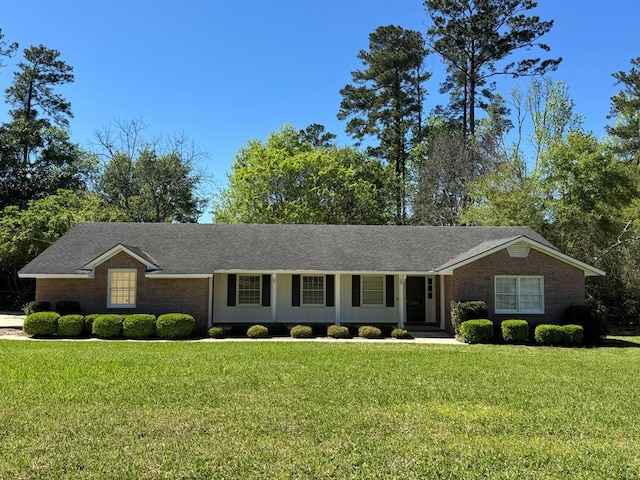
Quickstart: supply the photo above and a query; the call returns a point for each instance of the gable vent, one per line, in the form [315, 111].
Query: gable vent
[518, 250]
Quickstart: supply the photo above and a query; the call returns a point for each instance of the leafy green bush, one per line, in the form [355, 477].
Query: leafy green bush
[515, 331]
[369, 331]
[276, 329]
[257, 331]
[546, 334]
[41, 324]
[35, 307]
[107, 326]
[338, 331]
[216, 332]
[70, 325]
[476, 331]
[68, 308]
[573, 334]
[301, 331]
[88, 322]
[463, 311]
[175, 326]
[400, 333]
[139, 325]
[593, 324]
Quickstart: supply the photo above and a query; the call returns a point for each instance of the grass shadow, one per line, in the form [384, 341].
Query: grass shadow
[620, 342]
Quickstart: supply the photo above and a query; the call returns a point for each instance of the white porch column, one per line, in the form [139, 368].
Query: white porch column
[401, 295]
[210, 311]
[442, 309]
[274, 297]
[337, 298]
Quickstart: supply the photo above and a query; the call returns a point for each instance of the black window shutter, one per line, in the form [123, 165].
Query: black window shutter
[295, 290]
[231, 290]
[266, 290]
[330, 291]
[355, 290]
[390, 293]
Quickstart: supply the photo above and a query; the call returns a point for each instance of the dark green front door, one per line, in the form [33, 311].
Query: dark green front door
[416, 305]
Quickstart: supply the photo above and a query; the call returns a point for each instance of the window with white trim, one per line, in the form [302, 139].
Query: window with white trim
[249, 289]
[122, 288]
[313, 290]
[524, 294]
[372, 290]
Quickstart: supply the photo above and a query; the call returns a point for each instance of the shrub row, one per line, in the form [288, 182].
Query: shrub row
[517, 331]
[168, 326]
[309, 331]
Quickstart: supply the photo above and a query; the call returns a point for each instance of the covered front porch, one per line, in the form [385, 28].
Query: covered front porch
[407, 299]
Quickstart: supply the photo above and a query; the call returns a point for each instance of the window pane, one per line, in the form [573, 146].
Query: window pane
[372, 290]
[313, 290]
[123, 288]
[506, 302]
[506, 285]
[249, 289]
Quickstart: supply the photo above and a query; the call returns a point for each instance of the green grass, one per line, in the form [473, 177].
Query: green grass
[317, 411]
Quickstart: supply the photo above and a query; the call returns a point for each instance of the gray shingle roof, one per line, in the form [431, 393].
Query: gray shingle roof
[205, 248]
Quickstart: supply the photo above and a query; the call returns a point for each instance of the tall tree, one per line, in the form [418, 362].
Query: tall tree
[36, 155]
[152, 180]
[386, 100]
[288, 180]
[6, 48]
[474, 37]
[625, 109]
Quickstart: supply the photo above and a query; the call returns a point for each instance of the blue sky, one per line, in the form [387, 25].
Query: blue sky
[224, 72]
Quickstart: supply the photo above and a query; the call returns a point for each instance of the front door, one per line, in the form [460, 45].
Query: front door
[416, 308]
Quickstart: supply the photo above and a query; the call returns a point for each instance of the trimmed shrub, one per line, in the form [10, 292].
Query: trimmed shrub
[70, 325]
[275, 329]
[139, 325]
[175, 326]
[108, 326]
[43, 324]
[257, 331]
[593, 324]
[301, 331]
[35, 307]
[319, 329]
[369, 331]
[573, 334]
[463, 311]
[546, 334]
[515, 331]
[476, 331]
[400, 333]
[68, 308]
[216, 332]
[338, 331]
[88, 322]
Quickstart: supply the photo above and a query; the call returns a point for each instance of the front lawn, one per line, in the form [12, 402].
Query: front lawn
[316, 410]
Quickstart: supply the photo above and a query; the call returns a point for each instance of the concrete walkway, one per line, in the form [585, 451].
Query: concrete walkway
[11, 327]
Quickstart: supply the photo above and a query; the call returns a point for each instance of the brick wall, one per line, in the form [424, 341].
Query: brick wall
[155, 296]
[563, 283]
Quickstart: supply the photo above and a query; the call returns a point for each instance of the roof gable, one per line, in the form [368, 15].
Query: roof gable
[133, 252]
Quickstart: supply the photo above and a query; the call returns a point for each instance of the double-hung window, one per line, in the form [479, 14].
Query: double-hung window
[313, 290]
[524, 294]
[249, 292]
[122, 288]
[372, 290]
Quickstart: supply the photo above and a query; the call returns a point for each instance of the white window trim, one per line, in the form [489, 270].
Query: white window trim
[259, 303]
[518, 309]
[324, 291]
[384, 293]
[135, 288]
